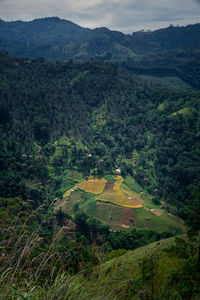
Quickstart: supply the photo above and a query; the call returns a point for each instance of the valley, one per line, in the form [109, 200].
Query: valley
[99, 162]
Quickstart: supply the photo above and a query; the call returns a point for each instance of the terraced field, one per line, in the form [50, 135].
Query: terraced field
[68, 192]
[107, 196]
[116, 196]
[119, 203]
[158, 220]
[115, 216]
[74, 197]
[61, 203]
[93, 185]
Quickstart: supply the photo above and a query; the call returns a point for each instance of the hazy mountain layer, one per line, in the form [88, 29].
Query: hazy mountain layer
[54, 38]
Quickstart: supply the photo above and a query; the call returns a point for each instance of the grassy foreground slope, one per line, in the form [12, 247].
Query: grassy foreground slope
[161, 270]
[145, 273]
[115, 277]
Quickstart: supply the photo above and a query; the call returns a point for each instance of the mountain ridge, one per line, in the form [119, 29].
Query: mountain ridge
[56, 38]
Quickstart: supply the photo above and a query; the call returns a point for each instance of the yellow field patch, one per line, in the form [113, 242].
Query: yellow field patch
[93, 185]
[117, 196]
[120, 198]
[68, 192]
[96, 186]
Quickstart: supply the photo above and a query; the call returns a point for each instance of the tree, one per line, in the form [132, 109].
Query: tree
[148, 267]
[193, 219]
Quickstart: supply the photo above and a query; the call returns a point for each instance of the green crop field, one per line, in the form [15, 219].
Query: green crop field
[88, 204]
[130, 182]
[164, 222]
[108, 205]
[147, 200]
[107, 196]
[110, 214]
[74, 197]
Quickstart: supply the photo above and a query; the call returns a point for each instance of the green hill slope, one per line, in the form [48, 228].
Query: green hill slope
[145, 272]
[66, 126]
[162, 270]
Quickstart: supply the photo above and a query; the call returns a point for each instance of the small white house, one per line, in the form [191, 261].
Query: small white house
[118, 171]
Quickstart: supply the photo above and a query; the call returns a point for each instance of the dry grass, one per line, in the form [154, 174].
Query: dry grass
[19, 242]
[28, 270]
[93, 185]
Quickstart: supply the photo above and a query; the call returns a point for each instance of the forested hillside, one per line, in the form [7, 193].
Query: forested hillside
[160, 67]
[96, 108]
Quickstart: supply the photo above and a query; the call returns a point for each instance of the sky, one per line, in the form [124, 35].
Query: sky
[123, 15]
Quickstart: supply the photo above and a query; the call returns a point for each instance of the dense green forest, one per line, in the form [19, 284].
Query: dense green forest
[183, 64]
[65, 120]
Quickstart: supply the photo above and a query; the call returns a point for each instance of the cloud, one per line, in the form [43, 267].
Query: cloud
[126, 15]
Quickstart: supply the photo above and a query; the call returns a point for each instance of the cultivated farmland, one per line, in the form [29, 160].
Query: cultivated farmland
[119, 203]
[93, 185]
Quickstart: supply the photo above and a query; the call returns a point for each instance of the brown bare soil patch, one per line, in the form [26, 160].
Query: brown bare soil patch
[109, 186]
[155, 212]
[128, 217]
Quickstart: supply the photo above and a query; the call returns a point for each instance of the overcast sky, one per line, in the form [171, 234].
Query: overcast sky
[123, 15]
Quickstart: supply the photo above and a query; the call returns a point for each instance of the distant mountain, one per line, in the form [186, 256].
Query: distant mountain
[54, 38]
[170, 38]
